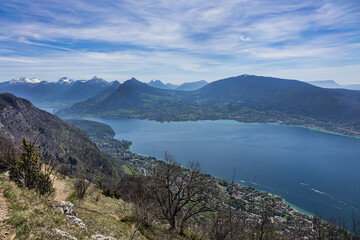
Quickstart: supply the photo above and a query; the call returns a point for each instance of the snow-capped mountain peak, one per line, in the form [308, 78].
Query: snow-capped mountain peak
[65, 80]
[96, 79]
[22, 80]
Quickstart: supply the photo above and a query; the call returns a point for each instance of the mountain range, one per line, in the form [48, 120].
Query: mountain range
[188, 86]
[245, 98]
[64, 92]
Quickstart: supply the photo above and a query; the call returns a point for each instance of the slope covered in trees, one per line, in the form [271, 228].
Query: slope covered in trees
[58, 141]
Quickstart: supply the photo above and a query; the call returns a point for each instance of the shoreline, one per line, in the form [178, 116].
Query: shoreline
[316, 129]
[298, 209]
[279, 123]
[329, 132]
[293, 206]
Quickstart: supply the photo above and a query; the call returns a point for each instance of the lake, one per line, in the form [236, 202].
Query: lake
[315, 171]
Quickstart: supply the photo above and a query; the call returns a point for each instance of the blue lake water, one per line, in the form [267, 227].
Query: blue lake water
[316, 171]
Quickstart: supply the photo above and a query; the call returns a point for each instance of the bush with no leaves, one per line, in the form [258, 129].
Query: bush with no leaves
[81, 185]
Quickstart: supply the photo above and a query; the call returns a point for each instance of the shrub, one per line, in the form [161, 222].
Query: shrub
[29, 170]
[81, 186]
[113, 193]
[7, 160]
[73, 160]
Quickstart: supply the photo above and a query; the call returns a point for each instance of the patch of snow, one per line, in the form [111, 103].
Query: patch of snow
[22, 80]
[65, 80]
[95, 79]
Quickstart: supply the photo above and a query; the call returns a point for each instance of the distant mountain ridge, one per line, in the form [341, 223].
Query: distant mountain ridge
[188, 86]
[160, 84]
[62, 80]
[326, 84]
[66, 91]
[191, 86]
[62, 93]
[244, 98]
[333, 84]
[352, 86]
[65, 80]
[24, 80]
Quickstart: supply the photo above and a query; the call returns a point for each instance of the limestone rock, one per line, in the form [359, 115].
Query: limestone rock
[66, 208]
[65, 234]
[76, 220]
[102, 237]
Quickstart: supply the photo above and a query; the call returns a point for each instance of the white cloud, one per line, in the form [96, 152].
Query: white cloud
[189, 38]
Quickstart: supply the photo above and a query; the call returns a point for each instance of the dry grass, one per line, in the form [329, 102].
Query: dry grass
[34, 217]
[105, 216]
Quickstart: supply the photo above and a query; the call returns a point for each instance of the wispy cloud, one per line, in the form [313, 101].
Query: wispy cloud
[178, 40]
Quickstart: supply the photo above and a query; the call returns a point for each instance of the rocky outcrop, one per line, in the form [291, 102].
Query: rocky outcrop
[65, 234]
[76, 220]
[66, 208]
[102, 237]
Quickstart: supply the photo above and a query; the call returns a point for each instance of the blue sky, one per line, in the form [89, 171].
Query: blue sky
[181, 40]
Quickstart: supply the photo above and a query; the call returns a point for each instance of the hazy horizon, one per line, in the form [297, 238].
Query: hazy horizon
[163, 81]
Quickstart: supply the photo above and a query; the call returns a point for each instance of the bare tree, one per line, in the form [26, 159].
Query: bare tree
[226, 222]
[264, 227]
[7, 161]
[136, 189]
[180, 193]
[145, 215]
[355, 224]
[81, 185]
